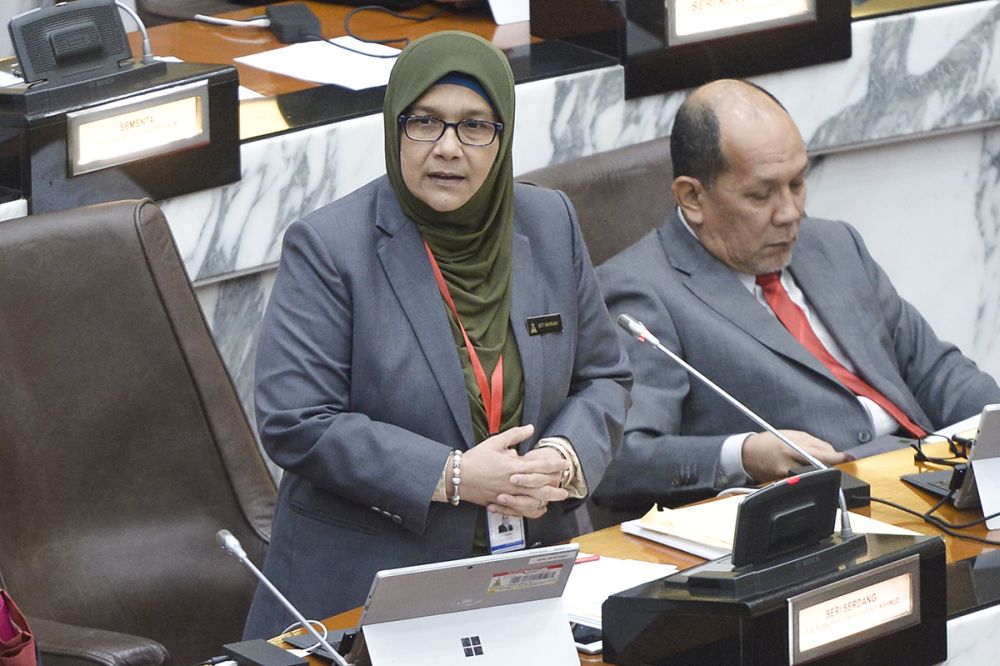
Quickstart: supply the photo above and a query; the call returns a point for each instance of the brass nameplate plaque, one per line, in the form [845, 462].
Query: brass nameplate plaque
[139, 127]
[854, 610]
[701, 20]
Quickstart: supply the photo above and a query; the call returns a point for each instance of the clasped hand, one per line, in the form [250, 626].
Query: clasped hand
[495, 476]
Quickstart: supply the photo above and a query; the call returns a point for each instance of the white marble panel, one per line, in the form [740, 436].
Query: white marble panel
[239, 226]
[971, 638]
[560, 119]
[925, 71]
[12, 209]
[929, 211]
[914, 73]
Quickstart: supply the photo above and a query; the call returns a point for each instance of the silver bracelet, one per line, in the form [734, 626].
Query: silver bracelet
[456, 477]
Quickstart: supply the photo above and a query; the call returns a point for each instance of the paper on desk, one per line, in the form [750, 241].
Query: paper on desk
[707, 529]
[591, 582]
[710, 524]
[510, 11]
[322, 62]
[8, 79]
[701, 550]
[966, 426]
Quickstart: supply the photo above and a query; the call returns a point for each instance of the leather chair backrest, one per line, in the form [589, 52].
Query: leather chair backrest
[123, 445]
[619, 195]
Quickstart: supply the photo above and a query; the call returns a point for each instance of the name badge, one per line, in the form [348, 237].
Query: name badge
[542, 324]
[506, 532]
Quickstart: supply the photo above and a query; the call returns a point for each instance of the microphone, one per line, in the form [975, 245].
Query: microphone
[231, 545]
[147, 49]
[638, 330]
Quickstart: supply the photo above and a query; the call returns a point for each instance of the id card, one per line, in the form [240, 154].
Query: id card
[506, 532]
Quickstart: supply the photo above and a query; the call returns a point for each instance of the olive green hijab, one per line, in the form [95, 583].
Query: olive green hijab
[472, 244]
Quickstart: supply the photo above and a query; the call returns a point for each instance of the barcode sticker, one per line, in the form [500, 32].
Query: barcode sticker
[520, 579]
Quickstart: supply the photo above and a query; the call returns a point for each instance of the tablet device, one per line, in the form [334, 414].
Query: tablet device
[501, 609]
[474, 582]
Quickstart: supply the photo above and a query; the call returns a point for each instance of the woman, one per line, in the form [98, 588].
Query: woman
[367, 395]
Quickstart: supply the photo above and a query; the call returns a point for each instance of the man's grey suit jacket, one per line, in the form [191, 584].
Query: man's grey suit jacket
[360, 393]
[698, 308]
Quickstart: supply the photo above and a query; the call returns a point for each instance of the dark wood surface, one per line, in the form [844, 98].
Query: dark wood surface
[882, 473]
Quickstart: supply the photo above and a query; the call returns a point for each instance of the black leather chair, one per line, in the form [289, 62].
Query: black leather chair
[123, 446]
[619, 196]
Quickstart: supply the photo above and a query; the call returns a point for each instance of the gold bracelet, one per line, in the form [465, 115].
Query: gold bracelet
[567, 475]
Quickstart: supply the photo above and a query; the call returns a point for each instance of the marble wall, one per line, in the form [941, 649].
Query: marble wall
[905, 137]
[929, 210]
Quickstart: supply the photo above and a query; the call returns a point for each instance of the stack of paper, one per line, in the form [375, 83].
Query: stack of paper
[707, 529]
[594, 579]
[8, 79]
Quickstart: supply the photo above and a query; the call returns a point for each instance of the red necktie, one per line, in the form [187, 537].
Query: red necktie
[795, 321]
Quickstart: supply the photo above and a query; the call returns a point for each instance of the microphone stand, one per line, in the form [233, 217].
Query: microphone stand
[638, 330]
[232, 545]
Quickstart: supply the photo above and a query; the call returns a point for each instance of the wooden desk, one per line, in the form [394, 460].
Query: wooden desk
[882, 473]
[194, 41]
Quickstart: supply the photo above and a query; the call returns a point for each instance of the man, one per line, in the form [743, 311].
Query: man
[739, 165]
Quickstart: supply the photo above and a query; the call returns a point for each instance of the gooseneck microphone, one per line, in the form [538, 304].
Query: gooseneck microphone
[147, 49]
[638, 330]
[231, 545]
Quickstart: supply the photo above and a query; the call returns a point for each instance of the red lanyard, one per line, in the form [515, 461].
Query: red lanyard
[492, 399]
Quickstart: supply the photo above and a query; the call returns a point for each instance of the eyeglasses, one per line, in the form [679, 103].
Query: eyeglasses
[959, 447]
[469, 132]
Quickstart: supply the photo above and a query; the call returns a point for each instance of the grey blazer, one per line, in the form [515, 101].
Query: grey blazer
[360, 395]
[697, 307]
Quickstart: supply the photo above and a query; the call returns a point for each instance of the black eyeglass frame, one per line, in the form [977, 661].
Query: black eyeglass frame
[445, 125]
[959, 447]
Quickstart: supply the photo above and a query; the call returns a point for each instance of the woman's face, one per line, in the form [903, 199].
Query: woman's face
[446, 173]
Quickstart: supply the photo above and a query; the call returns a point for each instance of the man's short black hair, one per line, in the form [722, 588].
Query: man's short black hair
[695, 145]
[695, 149]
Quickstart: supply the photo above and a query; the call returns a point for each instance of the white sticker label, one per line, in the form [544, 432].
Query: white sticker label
[521, 579]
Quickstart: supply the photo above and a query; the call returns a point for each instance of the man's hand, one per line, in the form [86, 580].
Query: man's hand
[766, 458]
[538, 480]
[535, 488]
[487, 470]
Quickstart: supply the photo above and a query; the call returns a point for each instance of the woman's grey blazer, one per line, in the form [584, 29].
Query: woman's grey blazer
[360, 395]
